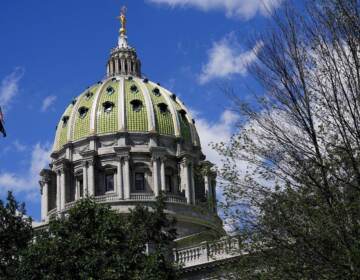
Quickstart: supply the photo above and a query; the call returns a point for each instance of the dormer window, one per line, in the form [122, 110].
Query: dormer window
[156, 91]
[88, 95]
[110, 90]
[108, 106]
[82, 112]
[73, 102]
[173, 97]
[65, 120]
[182, 114]
[136, 105]
[146, 80]
[130, 78]
[163, 108]
[134, 89]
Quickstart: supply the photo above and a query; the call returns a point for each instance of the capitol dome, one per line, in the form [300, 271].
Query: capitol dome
[125, 140]
[125, 103]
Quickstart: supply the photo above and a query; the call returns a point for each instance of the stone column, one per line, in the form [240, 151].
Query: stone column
[186, 179]
[192, 183]
[126, 173]
[77, 189]
[116, 66]
[58, 191]
[156, 176]
[208, 191]
[44, 184]
[62, 189]
[162, 175]
[122, 61]
[91, 178]
[120, 187]
[85, 179]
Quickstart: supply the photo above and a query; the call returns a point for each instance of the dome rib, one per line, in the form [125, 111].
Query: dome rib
[94, 107]
[122, 107]
[176, 122]
[163, 119]
[149, 105]
[107, 122]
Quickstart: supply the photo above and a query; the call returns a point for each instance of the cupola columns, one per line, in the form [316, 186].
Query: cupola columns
[123, 58]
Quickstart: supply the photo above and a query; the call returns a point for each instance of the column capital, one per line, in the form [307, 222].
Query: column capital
[206, 168]
[62, 164]
[46, 175]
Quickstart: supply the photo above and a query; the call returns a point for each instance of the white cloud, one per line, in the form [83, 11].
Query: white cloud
[19, 146]
[27, 182]
[47, 102]
[215, 132]
[226, 59]
[243, 9]
[9, 87]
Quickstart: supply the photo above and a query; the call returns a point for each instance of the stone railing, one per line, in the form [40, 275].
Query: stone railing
[207, 252]
[52, 212]
[106, 198]
[142, 196]
[70, 204]
[173, 198]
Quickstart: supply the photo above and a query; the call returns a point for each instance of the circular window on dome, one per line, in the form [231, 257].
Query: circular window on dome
[163, 108]
[136, 105]
[156, 91]
[88, 95]
[82, 112]
[108, 106]
[65, 120]
[110, 90]
[134, 89]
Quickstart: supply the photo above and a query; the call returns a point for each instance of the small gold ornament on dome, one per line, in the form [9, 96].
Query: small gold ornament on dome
[122, 19]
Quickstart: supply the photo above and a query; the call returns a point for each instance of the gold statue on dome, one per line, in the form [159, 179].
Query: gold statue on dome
[122, 18]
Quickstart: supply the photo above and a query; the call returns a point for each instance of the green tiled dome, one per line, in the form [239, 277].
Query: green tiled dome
[125, 103]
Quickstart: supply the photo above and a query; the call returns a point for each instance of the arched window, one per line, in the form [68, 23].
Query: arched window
[139, 181]
[79, 185]
[109, 181]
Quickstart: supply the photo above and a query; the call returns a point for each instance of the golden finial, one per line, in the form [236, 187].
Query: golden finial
[122, 19]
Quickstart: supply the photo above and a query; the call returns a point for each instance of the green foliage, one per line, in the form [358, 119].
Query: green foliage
[15, 233]
[95, 242]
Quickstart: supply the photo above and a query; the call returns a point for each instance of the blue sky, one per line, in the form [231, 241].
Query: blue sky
[52, 50]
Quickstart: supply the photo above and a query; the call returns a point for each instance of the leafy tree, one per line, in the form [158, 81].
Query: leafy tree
[15, 233]
[95, 242]
[291, 175]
